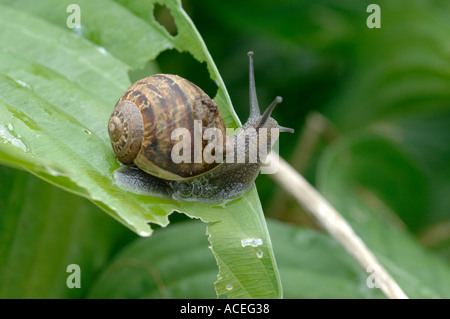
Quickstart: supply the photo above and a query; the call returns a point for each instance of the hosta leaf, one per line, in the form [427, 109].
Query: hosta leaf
[360, 176]
[402, 68]
[43, 230]
[57, 89]
[175, 263]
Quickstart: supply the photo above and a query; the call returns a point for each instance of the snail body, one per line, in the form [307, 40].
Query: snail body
[141, 130]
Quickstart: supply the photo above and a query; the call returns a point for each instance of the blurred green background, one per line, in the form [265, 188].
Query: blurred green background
[320, 56]
[371, 110]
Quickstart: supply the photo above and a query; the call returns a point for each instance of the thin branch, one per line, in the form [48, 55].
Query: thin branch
[326, 216]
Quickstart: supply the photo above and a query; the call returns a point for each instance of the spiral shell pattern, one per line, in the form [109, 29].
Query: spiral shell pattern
[145, 116]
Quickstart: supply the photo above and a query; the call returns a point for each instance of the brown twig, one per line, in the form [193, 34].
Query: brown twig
[326, 216]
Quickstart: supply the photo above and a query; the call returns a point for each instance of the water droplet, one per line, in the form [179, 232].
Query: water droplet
[7, 134]
[24, 84]
[144, 233]
[259, 254]
[54, 169]
[254, 242]
[78, 31]
[229, 287]
[87, 131]
[102, 50]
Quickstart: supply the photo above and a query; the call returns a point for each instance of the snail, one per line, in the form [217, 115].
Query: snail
[141, 130]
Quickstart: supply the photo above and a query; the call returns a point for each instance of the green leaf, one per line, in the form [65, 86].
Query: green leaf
[361, 176]
[314, 265]
[364, 161]
[401, 69]
[424, 138]
[393, 81]
[236, 241]
[43, 230]
[400, 90]
[175, 263]
[57, 89]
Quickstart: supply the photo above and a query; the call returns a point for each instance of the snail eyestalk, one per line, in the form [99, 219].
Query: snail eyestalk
[269, 110]
[285, 129]
[254, 107]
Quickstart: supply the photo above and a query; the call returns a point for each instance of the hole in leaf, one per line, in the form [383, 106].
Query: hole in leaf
[184, 65]
[165, 19]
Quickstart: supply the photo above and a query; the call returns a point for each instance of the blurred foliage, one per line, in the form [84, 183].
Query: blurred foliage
[146, 268]
[381, 156]
[385, 95]
[321, 56]
[40, 235]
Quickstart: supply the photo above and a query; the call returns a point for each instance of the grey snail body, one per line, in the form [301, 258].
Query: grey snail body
[141, 131]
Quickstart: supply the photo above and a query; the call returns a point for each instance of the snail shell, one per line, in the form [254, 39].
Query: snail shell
[145, 116]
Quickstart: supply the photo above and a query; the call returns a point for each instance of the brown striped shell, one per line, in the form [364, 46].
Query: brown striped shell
[144, 117]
